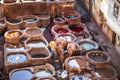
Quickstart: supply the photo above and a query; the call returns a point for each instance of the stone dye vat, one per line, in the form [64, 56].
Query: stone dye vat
[77, 29]
[33, 32]
[72, 17]
[36, 42]
[98, 58]
[21, 74]
[17, 58]
[56, 30]
[46, 70]
[40, 56]
[14, 23]
[59, 21]
[87, 44]
[14, 60]
[84, 75]
[68, 36]
[13, 36]
[13, 48]
[44, 20]
[75, 63]
[106, 73]
[30, 21]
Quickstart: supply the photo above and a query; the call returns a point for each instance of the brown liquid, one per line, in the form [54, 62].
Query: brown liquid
[105, 73]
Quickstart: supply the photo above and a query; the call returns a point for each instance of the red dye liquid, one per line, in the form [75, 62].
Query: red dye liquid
[75, 28]
[61, 30]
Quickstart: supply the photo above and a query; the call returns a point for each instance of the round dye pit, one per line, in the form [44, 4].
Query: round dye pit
[44, 16]
[43, 73]
[75, 28]
[16, 58]
[33, 31]
[30, 20]
[21, 75]
[13, 34]
[61, 30]
[82, 77]
[98, 57]
[59, 19]
[13, 21]
[71, 16]
[68, 37]
[77, 63]
[105, 73]
[87, 45]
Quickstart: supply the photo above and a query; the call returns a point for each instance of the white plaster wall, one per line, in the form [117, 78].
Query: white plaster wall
[112, 21]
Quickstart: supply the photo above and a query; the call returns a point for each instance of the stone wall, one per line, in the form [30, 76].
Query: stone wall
[107, 15]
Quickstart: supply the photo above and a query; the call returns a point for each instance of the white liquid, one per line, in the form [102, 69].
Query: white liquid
[14, 49]
[43, 73]
[68, 38]
[36, 44]
[74, 63]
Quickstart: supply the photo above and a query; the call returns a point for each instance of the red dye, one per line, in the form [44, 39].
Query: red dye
[76, 28]
[61, 30]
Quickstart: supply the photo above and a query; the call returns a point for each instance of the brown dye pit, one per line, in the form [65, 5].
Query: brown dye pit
[105, 72]
[75, 28]
[98, 57]
[85, 75]
[33, 32]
